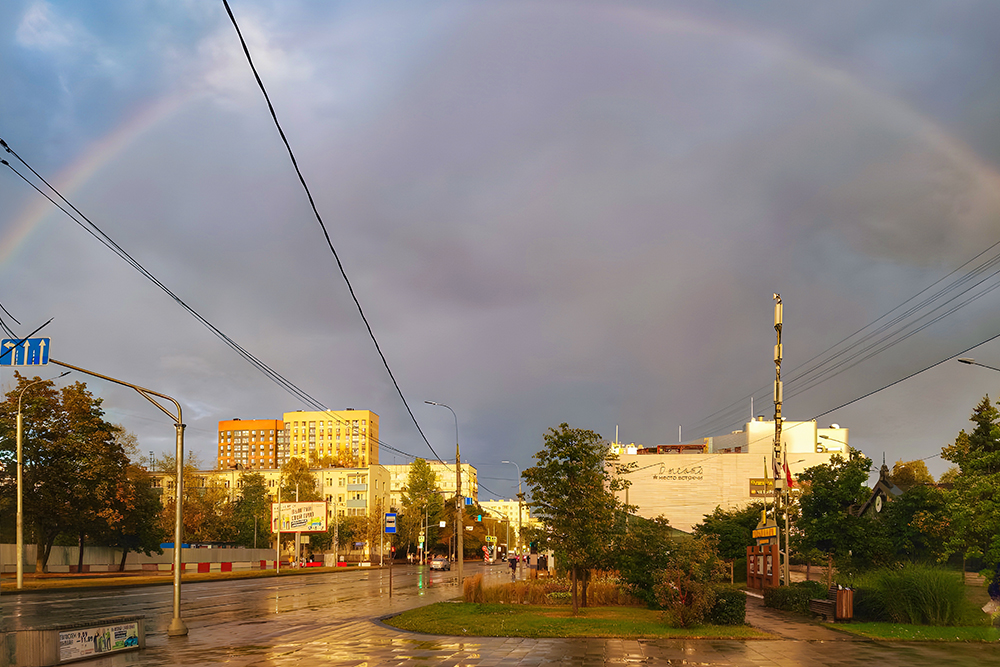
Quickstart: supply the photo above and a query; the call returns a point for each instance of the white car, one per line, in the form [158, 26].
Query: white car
[440, 563]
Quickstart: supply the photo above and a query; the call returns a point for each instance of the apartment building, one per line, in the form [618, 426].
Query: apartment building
[342, 435]
[251, 443]
[445, 473]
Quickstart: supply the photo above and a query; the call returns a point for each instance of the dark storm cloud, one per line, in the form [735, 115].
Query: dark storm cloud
[549, 212]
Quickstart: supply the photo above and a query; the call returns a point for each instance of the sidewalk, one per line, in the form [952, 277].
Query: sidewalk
[791, 626]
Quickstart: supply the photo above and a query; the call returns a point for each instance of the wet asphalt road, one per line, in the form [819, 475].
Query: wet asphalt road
[331, 619]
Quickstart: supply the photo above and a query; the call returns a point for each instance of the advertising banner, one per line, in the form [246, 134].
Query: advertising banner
[74, 644]
[307, 517]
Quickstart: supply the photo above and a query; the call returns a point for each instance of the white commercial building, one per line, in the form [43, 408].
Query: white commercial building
[684, 482]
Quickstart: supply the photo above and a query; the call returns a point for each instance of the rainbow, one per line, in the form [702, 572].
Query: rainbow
[73, 176]
[16, 236]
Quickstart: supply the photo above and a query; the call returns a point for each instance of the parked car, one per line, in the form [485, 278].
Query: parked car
[440, 563]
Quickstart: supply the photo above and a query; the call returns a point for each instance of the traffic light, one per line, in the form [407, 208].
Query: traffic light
[479, 517]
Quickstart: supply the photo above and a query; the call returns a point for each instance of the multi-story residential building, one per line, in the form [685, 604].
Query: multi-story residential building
[508, 510]
[342, 435]
[347, 491]
[445, 472]
[250, 443]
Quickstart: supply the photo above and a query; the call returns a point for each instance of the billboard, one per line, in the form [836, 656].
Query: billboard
[307, 517]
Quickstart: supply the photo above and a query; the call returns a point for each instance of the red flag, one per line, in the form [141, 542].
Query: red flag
[788, 475]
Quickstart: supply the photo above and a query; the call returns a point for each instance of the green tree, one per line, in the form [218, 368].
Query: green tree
[733, 528]
[421, 500]
[831, 492]
[685, 588]
[573, 487]
[973, 503]
[644, 549]
[252, 511]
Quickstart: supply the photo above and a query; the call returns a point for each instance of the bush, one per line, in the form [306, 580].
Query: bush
[795, 597]
[685, 589]
[915, 594]
[740, 570]
[730, 607]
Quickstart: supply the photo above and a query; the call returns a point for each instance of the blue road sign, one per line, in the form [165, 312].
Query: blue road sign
[390, 522]
[24, 352]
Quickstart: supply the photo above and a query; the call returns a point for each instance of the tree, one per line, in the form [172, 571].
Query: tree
[573, 487]
[73, 464]
[420, 499]
[644, 550]
[298, 482]
[830, 492]
[134, 525]
[207, 512]
[252, 510]
[733, 528]
[685, 588]
[972, 506]
[908, 474]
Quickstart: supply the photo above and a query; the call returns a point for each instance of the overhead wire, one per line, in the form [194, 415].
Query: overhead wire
[852, 350]
[87, 224]
[319, 219]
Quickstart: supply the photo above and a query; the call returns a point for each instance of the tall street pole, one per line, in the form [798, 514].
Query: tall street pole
[519, 501]
[459, 515]
[177, 627]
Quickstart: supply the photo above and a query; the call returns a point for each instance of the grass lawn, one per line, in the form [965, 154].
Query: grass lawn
[900, 632]
[505, 620]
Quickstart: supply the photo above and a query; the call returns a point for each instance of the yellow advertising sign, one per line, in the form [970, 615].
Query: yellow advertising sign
[760, 487]
[299, 517]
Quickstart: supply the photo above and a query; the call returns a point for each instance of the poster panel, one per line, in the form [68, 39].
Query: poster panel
[84, 642]
[306, 517]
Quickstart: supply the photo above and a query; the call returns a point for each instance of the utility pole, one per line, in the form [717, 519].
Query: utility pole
[779, 457]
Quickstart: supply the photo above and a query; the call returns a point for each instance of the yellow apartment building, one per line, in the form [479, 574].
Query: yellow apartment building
[349, 434]
[445, 473]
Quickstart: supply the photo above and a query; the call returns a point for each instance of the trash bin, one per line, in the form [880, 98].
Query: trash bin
[845, 604]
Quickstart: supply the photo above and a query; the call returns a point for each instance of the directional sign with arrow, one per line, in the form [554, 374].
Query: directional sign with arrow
[24, 352]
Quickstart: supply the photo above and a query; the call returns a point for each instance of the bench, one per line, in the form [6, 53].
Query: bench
[829, 609]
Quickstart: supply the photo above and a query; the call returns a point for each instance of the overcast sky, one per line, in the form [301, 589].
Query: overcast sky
[550, 212]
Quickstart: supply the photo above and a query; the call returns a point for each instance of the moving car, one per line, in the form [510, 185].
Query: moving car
[440, 563]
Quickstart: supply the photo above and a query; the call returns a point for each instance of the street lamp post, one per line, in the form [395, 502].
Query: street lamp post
[459, 518]
[20, 488]
[519, 497]
[177, 627]
[973, 362]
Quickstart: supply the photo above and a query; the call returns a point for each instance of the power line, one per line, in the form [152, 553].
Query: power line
[319, 219]
[854, 350]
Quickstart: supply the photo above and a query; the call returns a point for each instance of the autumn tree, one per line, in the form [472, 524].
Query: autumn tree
[73, 465]
[133, 524]
[298, 482]
[573, 488]
[908, 474]
[207, 511]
